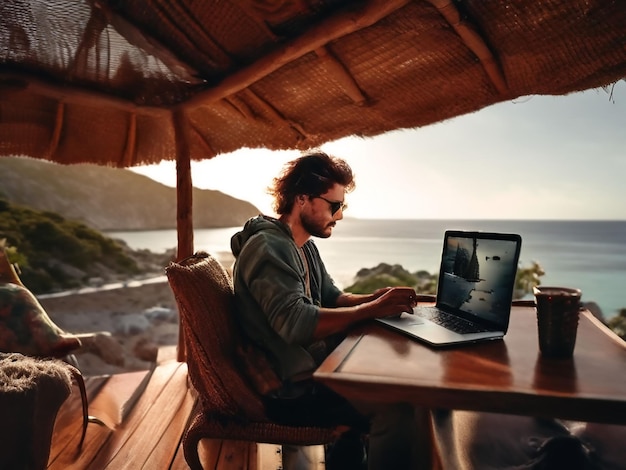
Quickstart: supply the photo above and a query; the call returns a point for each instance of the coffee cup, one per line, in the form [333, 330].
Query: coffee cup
[557, 320]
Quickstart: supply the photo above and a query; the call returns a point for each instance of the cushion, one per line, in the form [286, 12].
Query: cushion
[26, 328]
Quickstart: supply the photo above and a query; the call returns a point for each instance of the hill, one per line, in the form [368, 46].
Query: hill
[107, 198]
[54, 253]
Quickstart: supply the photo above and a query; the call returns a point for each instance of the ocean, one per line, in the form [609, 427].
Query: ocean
[589, 255]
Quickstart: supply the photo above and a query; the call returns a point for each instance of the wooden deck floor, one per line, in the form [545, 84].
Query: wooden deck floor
[144, 416]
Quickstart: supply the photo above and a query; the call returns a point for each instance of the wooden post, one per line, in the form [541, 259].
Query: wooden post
[184, 201]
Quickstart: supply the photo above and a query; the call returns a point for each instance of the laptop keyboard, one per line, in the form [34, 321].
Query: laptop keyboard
[456, 324]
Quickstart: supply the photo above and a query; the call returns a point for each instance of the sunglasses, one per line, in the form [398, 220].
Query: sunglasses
[334, 205]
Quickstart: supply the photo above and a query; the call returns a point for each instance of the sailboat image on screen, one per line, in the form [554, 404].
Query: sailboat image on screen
[474, 293]
[463, 278]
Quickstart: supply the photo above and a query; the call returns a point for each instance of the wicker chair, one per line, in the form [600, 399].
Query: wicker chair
[230, 407]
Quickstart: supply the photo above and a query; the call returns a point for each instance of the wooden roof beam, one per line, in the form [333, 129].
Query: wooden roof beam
[341, 75]
[317, 37]
[171, 11]
[474, 42]
[275, 115]
[206, 145]
[19, 82]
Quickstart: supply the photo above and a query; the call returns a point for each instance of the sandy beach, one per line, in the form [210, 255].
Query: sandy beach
[136, 320]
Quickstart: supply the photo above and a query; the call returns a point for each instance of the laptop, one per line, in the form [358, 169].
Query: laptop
[474, 293]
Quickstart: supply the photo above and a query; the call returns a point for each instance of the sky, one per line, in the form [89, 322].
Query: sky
[537, 157]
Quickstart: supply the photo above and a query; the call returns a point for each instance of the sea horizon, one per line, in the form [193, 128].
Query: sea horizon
[399, 219]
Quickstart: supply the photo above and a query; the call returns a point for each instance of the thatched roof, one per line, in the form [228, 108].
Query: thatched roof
[134, 82]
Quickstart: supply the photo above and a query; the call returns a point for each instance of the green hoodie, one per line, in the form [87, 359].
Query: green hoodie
[273, 308]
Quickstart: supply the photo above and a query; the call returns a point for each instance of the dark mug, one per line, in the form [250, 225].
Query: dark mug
[558, 309]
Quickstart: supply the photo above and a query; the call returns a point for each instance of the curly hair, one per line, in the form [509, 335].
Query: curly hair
[312, 174]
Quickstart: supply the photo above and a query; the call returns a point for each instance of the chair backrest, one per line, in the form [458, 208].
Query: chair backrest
[204, 294]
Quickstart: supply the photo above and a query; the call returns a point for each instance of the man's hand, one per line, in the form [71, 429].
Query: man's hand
[392, 301]
[378, 292]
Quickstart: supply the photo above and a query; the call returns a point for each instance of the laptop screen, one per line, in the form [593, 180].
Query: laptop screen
[477, 275]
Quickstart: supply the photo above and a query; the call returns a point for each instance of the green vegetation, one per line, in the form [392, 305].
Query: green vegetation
[385, 275]
[618, 324]
[53, 253]
[527, 278]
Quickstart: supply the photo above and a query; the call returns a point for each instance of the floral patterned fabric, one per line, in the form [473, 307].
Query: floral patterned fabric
[26, 328]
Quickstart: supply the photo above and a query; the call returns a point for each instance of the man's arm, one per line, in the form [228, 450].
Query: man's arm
[354, 308]
[347, 299]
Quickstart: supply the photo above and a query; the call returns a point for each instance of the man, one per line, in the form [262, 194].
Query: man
[289, 306]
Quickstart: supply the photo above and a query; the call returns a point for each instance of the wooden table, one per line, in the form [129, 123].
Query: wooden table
[377, 365]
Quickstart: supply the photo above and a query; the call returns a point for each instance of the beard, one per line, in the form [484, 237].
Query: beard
[316, 228]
